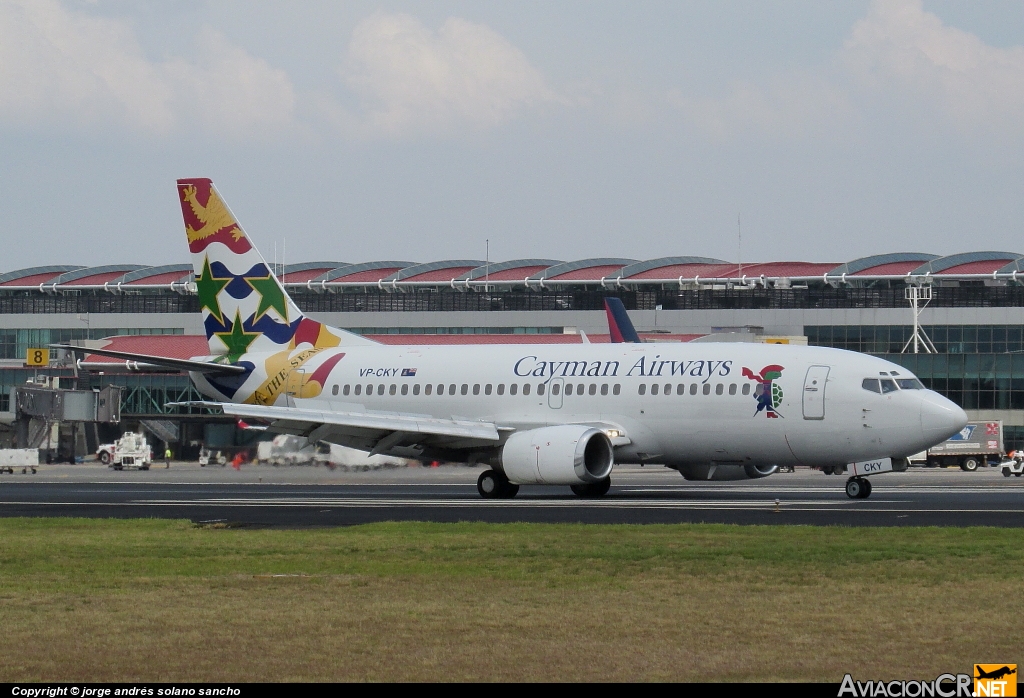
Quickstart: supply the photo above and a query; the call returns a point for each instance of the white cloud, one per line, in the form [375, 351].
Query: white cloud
[411, 79]
[901, 48]
[66, 67]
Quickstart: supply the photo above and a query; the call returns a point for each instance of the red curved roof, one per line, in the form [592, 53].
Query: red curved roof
[517, 274]
[35, 279]
[367, 276]
[446, 274]
[889, 269]
[98, 279]
[587, 273]
[165, 278]
[986, 266]
[780, 269]
[298, 277]
[674, 271]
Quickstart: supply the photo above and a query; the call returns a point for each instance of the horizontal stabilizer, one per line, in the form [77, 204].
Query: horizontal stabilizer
[138, 362]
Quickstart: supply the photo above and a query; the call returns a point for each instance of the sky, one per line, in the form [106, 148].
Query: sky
[418, 131]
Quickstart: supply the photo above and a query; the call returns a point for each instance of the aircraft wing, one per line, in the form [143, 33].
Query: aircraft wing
[144, 363]
[370, 430]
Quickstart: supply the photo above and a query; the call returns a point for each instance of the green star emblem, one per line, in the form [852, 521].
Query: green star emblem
[271, 296]
[237, 340]
[208, 287]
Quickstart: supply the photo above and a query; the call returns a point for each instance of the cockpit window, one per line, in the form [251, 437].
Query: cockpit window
[888, 386]
[870, 384]
[909, 384]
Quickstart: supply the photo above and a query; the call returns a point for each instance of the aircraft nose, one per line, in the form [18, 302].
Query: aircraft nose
[940, 418]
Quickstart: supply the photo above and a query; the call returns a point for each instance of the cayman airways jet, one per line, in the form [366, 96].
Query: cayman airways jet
[538, 414]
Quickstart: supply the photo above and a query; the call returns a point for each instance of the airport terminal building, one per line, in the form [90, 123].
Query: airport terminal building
[970, 309]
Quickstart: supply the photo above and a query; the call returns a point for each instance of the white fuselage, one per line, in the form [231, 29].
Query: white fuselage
[677, 404]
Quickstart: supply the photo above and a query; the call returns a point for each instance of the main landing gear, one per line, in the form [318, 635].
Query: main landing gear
[858, 488]
[494, 485]
[592, 489]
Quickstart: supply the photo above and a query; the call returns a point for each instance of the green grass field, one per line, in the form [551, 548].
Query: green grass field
[108, 600]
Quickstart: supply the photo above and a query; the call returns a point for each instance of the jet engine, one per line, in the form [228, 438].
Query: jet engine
[570, 454]
[720, 472]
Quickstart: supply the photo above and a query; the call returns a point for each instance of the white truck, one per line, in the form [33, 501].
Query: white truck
[978, 443]
[130, 451]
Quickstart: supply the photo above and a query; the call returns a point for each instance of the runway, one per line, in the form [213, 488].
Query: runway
[309, 496]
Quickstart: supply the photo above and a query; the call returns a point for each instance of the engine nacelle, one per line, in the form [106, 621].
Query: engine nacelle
[570, 454]
[721, 472]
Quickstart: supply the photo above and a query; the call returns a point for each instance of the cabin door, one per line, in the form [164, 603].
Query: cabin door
[555, 388]
[814, 392]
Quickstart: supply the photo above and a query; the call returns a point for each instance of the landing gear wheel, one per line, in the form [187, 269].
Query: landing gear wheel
[858, 488]
[969, 465]
[592, 489]
[494, 485]
[487, 484]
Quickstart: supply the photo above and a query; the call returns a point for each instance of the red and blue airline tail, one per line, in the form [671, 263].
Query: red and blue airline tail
[619, 324]
[245, 308]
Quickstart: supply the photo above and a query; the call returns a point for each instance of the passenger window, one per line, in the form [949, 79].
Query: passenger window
[334, 390]
[393, 389]
[476, 388]
[888, 386]
[428, 388]
[540, 388]
[746, 388]
[616, 389]
[568, 388]
[487, 389]
[719, 389]
[345, 390]
[526, 388]
[693, 388]
[732, 388]
[642, 390]
[707, 388]
[870, 384]
[405, 388]
[654, 389]
[380, 389]
[668, 388]
[501, 388]
[909, 383]
[555, 388]
[513, 388]
[680, 389]
[604, 388]
[451, 389]
[369, 389]
[465, 389]
[593, 389]
[416, 389]
[359, 390]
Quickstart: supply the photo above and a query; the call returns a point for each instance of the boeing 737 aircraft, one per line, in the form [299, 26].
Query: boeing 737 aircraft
[540, 414]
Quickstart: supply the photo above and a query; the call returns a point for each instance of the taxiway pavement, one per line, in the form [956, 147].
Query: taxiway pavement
[315, 496]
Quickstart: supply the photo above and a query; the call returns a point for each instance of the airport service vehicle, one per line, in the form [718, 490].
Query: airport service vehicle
[1013, 465]
[130, 451]
[976, 444]
[560, 415]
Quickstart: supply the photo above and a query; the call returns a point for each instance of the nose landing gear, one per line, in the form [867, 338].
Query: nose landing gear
[858, 488]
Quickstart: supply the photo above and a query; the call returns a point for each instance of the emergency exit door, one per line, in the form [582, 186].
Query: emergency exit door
[814, 392]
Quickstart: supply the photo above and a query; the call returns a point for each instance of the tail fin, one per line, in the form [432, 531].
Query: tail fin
[619, 324]
[245, 308]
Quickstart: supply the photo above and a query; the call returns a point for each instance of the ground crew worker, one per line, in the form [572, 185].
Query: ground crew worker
[167, 457]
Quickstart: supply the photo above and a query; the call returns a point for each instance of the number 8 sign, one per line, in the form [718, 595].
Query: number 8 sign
[37, 357]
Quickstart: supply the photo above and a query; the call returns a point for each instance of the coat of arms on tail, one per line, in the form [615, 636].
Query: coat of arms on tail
[245, 308]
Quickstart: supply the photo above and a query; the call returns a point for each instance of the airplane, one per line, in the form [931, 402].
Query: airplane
[535, 414]
[995, 674]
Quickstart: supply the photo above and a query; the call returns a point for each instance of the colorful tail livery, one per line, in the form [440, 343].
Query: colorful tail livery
[245, 308]
[619, 326]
